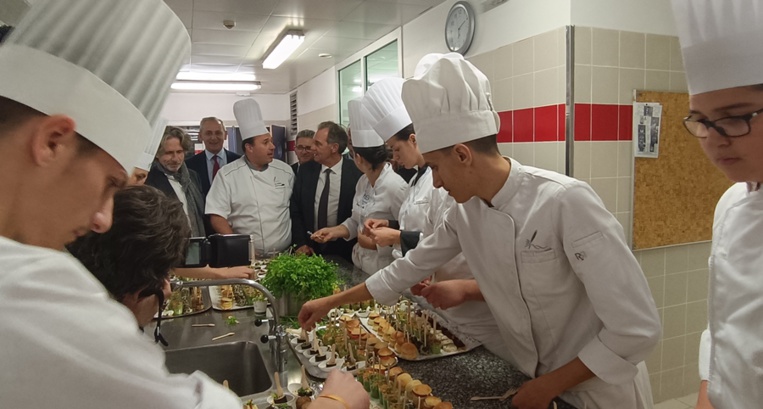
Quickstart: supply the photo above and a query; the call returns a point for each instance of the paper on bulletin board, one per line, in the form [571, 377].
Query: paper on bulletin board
[647, 117]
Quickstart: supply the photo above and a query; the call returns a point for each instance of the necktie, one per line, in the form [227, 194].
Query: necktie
[323, 203]
[215, 167]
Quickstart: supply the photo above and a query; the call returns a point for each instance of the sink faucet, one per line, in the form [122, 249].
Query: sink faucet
[276, 338]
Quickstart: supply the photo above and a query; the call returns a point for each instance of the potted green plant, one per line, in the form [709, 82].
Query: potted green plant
[260, 302]
[296, 278]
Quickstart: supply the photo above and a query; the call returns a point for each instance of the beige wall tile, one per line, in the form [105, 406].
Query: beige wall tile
[630, 79]
[653, 262]
[657, 287]
[546, 87]
[697, 285]
[698, 255]
[675, 288]
[606, 188]
[671, 383]
[655, 380]
[504, 60]
[503, 94]
[625, 159]
[561, 41]
[624, 194]
[561, 80]
[654, 360]
[676, 258]
[604, 85]
[674, 323]
[581, 164]
[506, 149]
[523, 93]
[545, 155]
[546, 50]
[583, 44]
[561, 157]
[632, 49]
[696, 316]
[673, 352]
[657, 52]
[678, 82]
[657, 80]
[603, 159]
[484, 62]
[582, 83]
[524, 152]
[605, 47]
[691, 358]
[691, 381]
[523, 57]
[676, 59]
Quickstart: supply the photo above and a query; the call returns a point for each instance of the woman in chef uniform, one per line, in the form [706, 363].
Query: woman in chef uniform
[722, 46]
[422, 210]
[379, 194]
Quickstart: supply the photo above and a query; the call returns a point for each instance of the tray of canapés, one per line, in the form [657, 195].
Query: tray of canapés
[415, 334]
[234, 297]
[186, 301]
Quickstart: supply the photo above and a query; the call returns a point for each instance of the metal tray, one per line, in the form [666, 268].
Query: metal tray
[206, 305]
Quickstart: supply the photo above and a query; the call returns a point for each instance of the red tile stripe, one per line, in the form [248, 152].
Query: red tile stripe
[593, 122]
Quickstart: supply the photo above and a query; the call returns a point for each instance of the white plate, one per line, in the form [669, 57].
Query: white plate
[360, 365]
[323, 367]
[315, 362]
[307, 354]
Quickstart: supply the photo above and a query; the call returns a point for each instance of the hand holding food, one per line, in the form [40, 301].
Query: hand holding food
[324, 235]
[445, 294]
[312, 312]
[371, 224]
[534, 394]
[416, 289]
[344, 386]
[385, 236]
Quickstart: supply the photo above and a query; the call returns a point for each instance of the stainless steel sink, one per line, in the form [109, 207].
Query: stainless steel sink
[240, 363]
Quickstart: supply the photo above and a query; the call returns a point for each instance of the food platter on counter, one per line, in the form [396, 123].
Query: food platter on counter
[186, 301]
[232, 297]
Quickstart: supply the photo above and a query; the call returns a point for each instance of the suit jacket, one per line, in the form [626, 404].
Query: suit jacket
[199, 164]
[302, 207]
[295, 167]
[158, 179]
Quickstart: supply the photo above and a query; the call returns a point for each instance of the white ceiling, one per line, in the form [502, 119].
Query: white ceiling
[337, 27]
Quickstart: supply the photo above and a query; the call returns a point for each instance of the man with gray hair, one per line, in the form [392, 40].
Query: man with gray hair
[206, 164]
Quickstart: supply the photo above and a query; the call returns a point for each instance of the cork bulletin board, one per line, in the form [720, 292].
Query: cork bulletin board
[674, 196]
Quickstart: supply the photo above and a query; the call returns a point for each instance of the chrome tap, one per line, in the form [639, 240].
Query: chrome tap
[276, 339]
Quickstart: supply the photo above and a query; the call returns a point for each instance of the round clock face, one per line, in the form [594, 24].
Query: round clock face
[459, 27]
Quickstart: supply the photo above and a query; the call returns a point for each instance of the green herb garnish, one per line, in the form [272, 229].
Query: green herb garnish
[231, 320]
[306, 277]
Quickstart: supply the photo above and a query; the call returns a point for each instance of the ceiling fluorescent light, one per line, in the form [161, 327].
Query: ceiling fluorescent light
[215, 76]
[288, 44]
[216, 86]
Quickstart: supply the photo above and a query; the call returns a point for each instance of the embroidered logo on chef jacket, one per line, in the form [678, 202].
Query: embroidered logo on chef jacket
[530, 245]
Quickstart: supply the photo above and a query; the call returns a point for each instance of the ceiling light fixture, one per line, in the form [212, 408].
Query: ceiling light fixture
[216, 86]
[288, 43]
[215, 76]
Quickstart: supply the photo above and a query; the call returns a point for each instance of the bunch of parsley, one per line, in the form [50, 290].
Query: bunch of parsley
[306, 277]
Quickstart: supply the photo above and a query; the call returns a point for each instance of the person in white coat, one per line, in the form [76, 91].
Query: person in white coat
[379, 194]
[251, 194]
[722, 46]
[421, 211]
[550, 261]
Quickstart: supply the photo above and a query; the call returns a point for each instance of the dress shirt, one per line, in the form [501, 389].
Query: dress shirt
[222, 159]
[334, 188]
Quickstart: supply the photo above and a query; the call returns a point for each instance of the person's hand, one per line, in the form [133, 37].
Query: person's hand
[324, 235]
[534, 394]
[371, 224]
[305, 249]
[445, 294]
[233, 272]
[416, 289]
[312, 312]
[344, 385]
[384, 236]
[703, 402]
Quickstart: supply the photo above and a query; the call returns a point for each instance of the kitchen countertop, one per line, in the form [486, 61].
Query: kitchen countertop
[474, 373]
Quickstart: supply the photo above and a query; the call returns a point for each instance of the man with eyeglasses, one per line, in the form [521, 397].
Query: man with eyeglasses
[303, 148]
[722, 46]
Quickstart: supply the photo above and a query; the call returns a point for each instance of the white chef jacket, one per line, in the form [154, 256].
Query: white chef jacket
[381, 201]
[554, 269]
[66, 344]
[731, 350]
[423, 208]
[255, 202]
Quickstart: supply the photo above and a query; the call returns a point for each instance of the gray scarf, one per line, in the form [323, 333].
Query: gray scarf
[192, 196]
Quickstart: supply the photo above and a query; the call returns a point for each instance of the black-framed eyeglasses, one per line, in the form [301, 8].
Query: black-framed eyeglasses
[730, 126]
[158, 337]
[303, 148]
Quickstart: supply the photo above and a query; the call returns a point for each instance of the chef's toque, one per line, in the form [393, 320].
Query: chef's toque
[107, 64]
[426, 62]
[363, 136]
[385, 108]
[721, 42]
[249, 118]
[450, 104]
[146, 158]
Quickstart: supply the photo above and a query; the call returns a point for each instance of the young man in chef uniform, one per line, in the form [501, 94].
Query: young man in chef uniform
[722, 46]
[82, 82]
[551, 262]
[251, 194]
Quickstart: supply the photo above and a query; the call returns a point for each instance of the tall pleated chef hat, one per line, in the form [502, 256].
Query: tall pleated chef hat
[426, 62]
[146, 157]
[363, 136]
[721, 42]
[249, 118]
[450, 104]
[107, 64]
[385, 108]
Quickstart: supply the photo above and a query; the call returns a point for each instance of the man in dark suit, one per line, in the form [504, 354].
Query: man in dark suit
[303, 148]
[315, 205]
[212, 133]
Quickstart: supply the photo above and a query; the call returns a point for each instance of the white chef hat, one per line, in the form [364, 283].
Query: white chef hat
[721, 42]
[385, 108]
[249, 118]
[449, 104]
[107, 64]
[363, 136]
[146, 157]
[426, 62]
